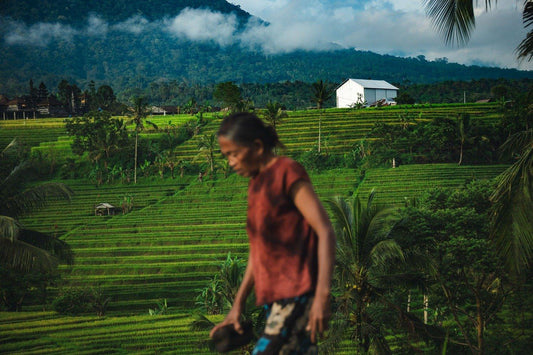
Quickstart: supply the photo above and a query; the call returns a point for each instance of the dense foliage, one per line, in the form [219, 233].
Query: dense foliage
[134, 60]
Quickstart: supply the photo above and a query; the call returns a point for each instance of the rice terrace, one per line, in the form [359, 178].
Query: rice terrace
[140, 272]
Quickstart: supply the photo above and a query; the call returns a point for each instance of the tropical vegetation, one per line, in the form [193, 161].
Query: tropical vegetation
[419, 264]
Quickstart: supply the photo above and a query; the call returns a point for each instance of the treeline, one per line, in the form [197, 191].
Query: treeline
[292, 95]
[295, 95]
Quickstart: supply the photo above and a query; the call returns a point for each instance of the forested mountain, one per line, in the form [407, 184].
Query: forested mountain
[131, 44]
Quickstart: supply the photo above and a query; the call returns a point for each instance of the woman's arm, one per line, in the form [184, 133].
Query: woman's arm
[240, 301]
[311, 208]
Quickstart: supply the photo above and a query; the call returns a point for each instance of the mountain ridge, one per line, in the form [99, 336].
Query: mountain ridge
[143, 44]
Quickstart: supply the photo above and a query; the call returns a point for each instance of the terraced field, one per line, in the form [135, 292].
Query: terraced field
[396, 186]
[342, 128]
[168, 246]
[180, 230]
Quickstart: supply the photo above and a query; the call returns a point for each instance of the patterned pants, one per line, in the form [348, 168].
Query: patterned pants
[285, 328]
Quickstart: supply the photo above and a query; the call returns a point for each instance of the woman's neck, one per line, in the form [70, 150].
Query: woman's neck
[267, 161]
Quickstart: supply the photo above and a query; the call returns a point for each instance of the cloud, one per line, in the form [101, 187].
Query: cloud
[96, 26]
[398, 27]
[39, 34]
[204, 26]
[136, 25]
[385, 27]
[42, 33]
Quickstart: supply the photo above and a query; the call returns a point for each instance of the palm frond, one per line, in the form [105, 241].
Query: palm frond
[23, 256]
[11, 144]
[525, 49]
[55, 246]
[384, 251]
[512, 219]
[36, 197]
[454, 19]
[9, 228]
[14, 176]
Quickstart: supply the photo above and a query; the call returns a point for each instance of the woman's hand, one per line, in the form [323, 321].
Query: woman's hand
[319, 316]
[232, 318]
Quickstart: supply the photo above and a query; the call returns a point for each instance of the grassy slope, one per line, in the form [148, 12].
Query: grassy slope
[180, 230]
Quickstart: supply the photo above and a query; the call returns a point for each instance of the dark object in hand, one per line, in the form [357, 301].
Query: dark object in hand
[227, 338]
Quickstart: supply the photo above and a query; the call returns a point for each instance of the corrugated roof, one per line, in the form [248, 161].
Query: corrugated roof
[374, 84]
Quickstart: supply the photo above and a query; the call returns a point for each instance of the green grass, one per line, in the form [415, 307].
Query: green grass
[180, 231]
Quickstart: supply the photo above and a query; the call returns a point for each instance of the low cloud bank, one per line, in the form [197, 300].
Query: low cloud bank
[381, 29]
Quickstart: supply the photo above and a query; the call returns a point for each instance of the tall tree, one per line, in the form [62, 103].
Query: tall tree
[274, 113]
[463, 128]
[228, 93]
[321, 93]
[455, 20]
[365, 250]
[98, 134]
[206, 150]
[105, 97]
[139, 111]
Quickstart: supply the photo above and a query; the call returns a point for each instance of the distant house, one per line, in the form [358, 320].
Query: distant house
[368, 92]
[18, 107]
[164, 110]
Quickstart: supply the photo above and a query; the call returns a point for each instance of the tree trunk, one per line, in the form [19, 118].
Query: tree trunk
[319, 130]
[135, 165]
[461, 155]
[480, 325]
[426, 304]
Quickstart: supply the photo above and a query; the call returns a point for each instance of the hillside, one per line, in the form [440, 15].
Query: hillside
[134, 44]
[180, 230]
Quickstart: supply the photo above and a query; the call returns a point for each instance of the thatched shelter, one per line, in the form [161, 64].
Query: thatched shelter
[105, 209]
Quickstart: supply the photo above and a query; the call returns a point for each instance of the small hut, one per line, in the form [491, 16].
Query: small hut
[105, 209]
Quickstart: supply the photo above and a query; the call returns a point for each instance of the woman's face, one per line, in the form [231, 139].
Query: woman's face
[243, 159]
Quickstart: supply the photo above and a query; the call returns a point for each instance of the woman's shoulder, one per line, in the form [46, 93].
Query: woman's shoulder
[291, 165]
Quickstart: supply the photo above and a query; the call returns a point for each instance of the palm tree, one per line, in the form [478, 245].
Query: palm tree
[15, 251]
[365, 250]
[206, 149]
[139, 112]
[274, 113]
[512, 219]
[321, 93]
[463, 127]
[455, 19]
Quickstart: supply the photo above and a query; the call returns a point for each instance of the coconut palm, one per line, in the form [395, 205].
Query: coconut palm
[455, 19]
[463, 128]
[512, 217]
[206, 150]
[274, 113]
[365, 250]
[139, 111]
[321, 93]
[18, 250]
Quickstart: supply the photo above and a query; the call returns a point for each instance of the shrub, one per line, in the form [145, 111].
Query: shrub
[75, 301]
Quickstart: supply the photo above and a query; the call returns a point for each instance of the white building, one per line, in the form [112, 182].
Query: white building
[353, 91]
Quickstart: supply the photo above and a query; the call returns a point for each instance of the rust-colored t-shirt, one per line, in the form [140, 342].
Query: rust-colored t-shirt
[283, 246]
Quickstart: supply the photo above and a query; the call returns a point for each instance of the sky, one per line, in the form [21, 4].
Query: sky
[398, 27]
[395, 27]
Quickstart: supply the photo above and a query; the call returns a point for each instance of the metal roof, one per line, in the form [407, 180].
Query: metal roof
[373, 84]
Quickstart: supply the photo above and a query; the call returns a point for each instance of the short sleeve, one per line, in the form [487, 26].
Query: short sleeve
[294, 173]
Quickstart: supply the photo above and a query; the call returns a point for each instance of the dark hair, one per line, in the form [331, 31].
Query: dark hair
[244, 128]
